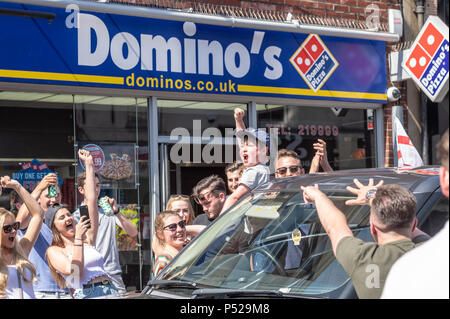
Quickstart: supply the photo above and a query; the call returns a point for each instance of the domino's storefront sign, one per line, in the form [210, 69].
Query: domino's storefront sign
[86, 48]
[428, 62]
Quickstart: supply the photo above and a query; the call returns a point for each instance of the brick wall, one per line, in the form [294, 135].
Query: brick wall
[431, 7]
[347, 9]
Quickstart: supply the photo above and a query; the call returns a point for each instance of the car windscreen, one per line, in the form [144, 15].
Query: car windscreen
[270, 241]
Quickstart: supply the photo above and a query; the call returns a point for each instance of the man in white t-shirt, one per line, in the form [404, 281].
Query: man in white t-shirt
[106, 243]
[423, 272]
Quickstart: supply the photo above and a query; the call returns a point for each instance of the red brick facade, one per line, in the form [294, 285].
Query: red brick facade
[344, 9]
[358, 11]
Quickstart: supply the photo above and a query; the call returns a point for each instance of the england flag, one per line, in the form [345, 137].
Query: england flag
[408, 157]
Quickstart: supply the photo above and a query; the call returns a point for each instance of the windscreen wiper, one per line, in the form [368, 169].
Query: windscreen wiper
[169, 283]
[214, 292]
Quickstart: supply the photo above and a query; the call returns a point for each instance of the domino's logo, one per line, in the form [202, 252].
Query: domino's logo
[314, 62]
[428, 62]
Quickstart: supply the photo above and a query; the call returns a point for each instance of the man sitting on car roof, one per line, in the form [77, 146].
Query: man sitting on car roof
[392, 225]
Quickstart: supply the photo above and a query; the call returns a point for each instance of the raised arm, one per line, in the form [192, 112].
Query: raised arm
[23, 216]
[321, 151]
[37, 214]
[314, 168]
[331, 218]
[239, 119]
[240, 191]
[90, 196]
[122, 221]
[361, 199]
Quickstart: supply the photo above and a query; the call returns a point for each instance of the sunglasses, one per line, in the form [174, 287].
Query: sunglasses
[292, 169]
[202, 197]
[180, 196]
[8, 228]
[173, 227]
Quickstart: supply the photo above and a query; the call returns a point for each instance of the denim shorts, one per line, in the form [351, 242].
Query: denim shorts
[52, 295]
[95, 291]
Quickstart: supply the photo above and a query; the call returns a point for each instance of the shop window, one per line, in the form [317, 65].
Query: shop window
[350, 144]
[182, 114]
[115, 128]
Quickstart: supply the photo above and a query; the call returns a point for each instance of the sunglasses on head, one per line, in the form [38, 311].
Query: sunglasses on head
[173, 227]
[179, 196]
[292, 169]
[8, 228]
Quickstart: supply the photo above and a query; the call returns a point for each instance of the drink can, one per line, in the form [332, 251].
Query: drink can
[107, 209]
[52, 191]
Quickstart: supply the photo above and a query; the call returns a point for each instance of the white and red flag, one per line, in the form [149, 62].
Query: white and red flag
[408, 157]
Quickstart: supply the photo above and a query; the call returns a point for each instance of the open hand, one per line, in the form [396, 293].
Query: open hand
[361, 192]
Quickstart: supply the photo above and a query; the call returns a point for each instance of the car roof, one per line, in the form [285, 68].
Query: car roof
[423, 179]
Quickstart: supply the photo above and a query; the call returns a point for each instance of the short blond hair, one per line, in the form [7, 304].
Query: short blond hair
[288, 153]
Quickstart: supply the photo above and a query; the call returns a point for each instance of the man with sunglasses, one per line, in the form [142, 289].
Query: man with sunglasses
[45, 287]
[289, 164]
[210, 193]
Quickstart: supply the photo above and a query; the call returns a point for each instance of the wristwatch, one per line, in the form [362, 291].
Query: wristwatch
[370, 193]
[116, 212]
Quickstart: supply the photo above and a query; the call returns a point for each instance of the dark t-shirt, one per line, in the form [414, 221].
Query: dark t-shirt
[202, 219]
[368, 263]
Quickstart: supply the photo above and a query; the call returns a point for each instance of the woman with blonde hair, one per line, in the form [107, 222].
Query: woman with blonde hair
[73, 260]
[16, 272]
[180, 204]
[170, 233]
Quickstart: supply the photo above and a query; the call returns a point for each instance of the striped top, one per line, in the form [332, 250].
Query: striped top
[161, 261]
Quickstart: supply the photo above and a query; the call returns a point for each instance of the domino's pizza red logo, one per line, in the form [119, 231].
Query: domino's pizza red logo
[97, 155]
[428, 61]
[314, 62]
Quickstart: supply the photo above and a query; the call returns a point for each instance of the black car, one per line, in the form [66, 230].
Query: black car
[254, 250]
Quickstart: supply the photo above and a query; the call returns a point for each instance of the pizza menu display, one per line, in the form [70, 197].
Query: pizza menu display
[114, 163]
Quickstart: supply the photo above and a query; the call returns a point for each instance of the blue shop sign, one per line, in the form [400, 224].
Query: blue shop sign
[94, 49]
[32, 173]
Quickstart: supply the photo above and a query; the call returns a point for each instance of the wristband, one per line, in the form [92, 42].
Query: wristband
[116, 212]
[78, 244]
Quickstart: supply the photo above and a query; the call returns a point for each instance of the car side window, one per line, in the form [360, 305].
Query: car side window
[436, 217]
